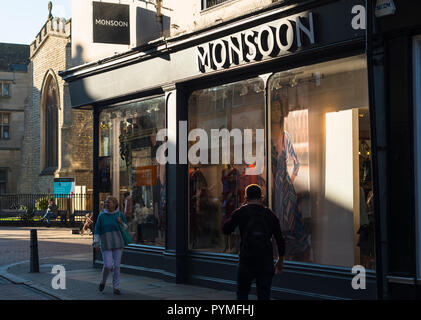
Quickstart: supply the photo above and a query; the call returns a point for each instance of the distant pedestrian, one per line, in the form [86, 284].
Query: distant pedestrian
[257, 225]
[107, 236]
[51, 212]
[87, 226]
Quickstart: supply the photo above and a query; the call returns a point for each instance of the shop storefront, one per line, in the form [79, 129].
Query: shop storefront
[297, 74]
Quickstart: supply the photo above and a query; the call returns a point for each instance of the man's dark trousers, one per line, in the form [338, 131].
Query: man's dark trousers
[262, 271]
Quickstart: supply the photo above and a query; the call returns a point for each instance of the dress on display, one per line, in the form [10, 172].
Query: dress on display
[230, 190]
[285, 202]
[247, 179]
[198, 191]
[159, 194]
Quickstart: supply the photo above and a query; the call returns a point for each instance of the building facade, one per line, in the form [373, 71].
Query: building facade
[58, 140]
[300, 87]
[15, 84]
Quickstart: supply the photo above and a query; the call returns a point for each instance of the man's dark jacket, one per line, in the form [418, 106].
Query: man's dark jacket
[240, 218]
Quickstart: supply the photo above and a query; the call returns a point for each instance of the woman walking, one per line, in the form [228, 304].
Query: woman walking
[107, 235]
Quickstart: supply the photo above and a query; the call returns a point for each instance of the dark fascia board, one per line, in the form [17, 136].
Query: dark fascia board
[165, 46]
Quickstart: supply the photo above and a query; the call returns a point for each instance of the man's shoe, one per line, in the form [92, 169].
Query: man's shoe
[117, 292]
[101, 287]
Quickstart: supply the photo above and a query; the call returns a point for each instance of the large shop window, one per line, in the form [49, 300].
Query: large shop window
[320, 161]
[128, 168]
[218, 189]
[318, 152]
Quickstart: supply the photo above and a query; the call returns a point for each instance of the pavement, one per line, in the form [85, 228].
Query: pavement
[81, 279]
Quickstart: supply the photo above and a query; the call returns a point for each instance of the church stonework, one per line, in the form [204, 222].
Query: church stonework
[57, 139]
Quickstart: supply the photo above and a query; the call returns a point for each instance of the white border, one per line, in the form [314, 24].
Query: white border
[416, 60]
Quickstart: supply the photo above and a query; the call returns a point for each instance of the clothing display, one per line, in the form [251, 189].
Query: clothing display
[366, 229]
[285, 203]
[159, 196]
[230, 190]
[198, 192]
[230, 202]
[128, 212]
[248, 179]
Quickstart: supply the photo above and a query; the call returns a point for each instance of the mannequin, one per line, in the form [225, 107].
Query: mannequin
[285, 200]
[198, 193]
[245, 180]
[230, 201]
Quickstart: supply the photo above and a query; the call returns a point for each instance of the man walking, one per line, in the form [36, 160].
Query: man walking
[257, 225]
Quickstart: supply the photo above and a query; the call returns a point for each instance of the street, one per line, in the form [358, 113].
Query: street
[52, 242]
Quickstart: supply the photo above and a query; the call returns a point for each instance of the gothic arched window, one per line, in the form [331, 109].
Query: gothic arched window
[51, 125]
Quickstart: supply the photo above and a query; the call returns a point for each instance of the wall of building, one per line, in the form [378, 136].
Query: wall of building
[51, 53]
[178, 17]
[144, 27]
[19, 100]
[188, 16]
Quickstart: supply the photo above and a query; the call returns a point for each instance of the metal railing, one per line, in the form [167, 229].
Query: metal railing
[68, 205]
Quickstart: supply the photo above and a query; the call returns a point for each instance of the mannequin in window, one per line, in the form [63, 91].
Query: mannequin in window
[230, 200]
[248, 179]
[285, 200]
[159, 190]
[198, 195]
[365, 163]
[366, 236]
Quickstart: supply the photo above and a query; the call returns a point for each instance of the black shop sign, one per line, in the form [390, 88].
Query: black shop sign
[111, 23]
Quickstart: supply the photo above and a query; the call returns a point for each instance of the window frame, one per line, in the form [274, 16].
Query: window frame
[50, 110]
[2, 83]
[4, 181]
[205, 4]
[268, 154]
[2, 125]
[417, 146]
[123, 104]
[265, 173]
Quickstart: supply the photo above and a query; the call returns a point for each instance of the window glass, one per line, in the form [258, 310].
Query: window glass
[3, 188]
[3, 175]
[128, 168]
[320, 182]
[3, 181]
[4, 125]
[216, 188]
[211, 3]
[6, 132]
[6, 89]
[50, 139]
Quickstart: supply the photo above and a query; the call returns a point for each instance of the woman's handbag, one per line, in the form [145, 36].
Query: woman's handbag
[125, 234]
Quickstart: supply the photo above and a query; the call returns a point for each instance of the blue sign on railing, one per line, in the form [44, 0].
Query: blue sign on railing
[64, 186]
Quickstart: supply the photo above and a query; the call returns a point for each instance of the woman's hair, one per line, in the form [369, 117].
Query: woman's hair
[114, 200]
